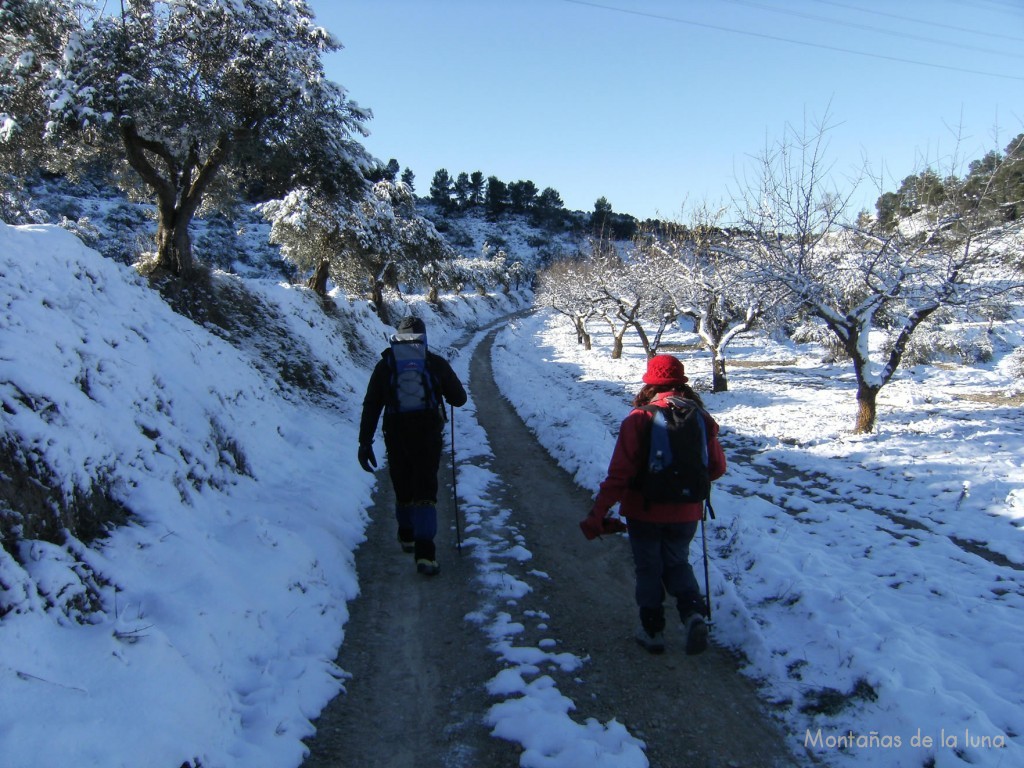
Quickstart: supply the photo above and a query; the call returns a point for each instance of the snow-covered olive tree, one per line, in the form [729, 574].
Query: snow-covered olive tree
[188, 100]
[365, 246]
[860, 281]
[636, 293]
[33, 34]
[626, 291]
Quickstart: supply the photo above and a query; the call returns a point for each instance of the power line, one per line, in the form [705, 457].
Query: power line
[994, 5]
[780, 39]
[869, 28]
[921, 21]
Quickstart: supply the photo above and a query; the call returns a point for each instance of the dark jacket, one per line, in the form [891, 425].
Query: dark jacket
[380, 397]
[627, 462]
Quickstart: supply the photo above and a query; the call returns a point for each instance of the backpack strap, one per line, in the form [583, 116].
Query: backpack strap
[645, 445]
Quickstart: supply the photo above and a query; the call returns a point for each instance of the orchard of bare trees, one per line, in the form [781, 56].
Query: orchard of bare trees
[786, 254]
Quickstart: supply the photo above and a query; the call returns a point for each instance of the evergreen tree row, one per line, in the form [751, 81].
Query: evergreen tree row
[468, 191]
[997, 180]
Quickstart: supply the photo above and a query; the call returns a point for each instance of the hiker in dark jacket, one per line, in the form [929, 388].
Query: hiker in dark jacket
[413, 439]
[659, 534]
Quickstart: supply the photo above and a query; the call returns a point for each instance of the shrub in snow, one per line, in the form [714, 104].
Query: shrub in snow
[84, 229]
[949, 345]
[64, 207]
[17, 208]
[218, 244]
[457, 237]
[42, 518]
[816, 333]
[33, 503]
[1017, 363]
[127, 230]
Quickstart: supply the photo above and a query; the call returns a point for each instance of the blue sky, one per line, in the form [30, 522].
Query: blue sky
[657, 104]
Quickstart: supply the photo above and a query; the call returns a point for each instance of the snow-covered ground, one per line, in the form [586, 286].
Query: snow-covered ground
[874, 583]
[225, 598]
[842, 566]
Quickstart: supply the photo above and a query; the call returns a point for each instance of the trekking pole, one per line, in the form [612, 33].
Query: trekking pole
[704, 544]
[455, 487]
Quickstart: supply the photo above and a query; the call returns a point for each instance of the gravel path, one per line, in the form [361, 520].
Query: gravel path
[416, 695]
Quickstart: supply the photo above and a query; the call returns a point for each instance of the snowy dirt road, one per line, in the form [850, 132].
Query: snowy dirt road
[418, 669]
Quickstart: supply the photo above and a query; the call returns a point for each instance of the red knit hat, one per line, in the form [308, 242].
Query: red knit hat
[664, 370]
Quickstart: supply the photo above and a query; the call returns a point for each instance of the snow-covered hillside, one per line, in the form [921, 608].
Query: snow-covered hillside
[210, 620]
[121, 229]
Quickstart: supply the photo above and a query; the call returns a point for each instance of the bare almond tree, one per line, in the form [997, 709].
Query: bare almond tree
[859, 281]
[710, 284]
[565, 286]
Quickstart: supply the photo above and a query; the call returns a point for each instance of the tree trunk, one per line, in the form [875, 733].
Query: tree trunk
[179, 191]
[719, 379]
[432, 295]
[646, 342]
[377, 297]
[318, 281]
[617, 347]
[867, 409]
[173, 244]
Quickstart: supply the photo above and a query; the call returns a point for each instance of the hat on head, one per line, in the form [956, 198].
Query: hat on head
[664, 370]
[411, 324]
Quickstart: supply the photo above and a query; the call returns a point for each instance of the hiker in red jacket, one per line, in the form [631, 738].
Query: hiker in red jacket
[659, 533]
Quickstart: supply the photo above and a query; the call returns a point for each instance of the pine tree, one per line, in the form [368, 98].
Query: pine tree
[522, 196]
[599, 219]
[462, 190]
[476, 188]
[441, 190]
[497, 197]
[1009, 181]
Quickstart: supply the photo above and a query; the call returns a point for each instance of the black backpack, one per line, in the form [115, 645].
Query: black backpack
[675, 469]
[412, 385]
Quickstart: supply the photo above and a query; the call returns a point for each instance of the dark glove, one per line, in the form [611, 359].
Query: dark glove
[596, 524]
[613, 525]
[366, 458]
[591, 527]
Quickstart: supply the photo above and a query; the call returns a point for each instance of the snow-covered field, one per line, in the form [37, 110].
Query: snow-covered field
[872, 582]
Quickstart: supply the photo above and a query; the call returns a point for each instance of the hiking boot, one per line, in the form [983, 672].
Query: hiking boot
[696, 634]
[652, 643]
[428, 567]
[405, 539]
[424, 549]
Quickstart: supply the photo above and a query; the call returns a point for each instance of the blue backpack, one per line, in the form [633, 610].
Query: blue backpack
[412, 385]
[676, 467]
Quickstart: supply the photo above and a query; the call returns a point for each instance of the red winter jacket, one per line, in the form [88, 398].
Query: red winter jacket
[626, 463]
